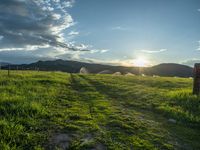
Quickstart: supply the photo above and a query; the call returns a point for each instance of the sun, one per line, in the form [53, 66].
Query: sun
[141, 62]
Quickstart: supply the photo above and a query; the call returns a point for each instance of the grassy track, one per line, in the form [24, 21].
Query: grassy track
[53, 110]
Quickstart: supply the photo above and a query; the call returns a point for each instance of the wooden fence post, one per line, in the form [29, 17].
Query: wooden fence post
[8, 70]
[196, 75]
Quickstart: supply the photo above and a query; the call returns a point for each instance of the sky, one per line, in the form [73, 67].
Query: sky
[118, 32]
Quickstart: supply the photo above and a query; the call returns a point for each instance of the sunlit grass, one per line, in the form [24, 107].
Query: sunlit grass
[97, 111]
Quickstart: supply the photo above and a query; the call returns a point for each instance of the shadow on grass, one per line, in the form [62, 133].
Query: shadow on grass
[183, 130]
[182, 107]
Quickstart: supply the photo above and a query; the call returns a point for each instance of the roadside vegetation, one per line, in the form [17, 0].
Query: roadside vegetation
[54, 110]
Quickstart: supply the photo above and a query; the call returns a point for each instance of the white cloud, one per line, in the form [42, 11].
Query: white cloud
[82, 47]
[1, 37]
[57, 1]
[68, 3]
[26, 48]
[45, 25]
[56, 16]
[44, 35]
[114, 62]
[67, 21]
[198, 49]
[198, 9]
[104, 50]
[73, 33]
[119, 28]
[190, 62]
[98, 51]
[153, 51]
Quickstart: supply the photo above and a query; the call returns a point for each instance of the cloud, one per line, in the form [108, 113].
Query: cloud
[82, 46]
[36, 30]
[198, 49]
[73, 33]
[104, 50]
[120, 28]
[98, 51]
[56, 16]
[34, 23]
[82, 55]
[198, 9]
[191, 62]
[1, 37]
[114, 62]
[68, 3]
[22, 56]
[153, 51]
[27, 48]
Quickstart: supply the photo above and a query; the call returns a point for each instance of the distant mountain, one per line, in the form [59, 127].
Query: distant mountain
[4, 64]
[169, 69]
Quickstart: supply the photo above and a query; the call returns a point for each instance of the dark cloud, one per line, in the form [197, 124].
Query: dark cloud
[33, 30]
[33, 22]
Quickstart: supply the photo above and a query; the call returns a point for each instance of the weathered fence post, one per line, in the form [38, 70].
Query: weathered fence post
[196, 75]
[8, 70]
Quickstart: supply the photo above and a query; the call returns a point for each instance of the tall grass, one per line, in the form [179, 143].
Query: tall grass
[24, 101]
[183, 106]
[96, 111]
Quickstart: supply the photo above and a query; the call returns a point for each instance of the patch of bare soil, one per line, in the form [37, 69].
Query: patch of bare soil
[60, 141]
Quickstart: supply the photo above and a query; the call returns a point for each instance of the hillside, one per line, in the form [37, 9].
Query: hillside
[170, 69]
[4, 64]
[52, 110]
[75, 67]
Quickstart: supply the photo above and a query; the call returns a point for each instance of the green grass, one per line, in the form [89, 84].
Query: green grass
[54, 110]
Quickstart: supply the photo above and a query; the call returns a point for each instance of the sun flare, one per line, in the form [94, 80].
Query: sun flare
[141, 62]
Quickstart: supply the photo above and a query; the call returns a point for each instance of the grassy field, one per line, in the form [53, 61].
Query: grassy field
[54, 110]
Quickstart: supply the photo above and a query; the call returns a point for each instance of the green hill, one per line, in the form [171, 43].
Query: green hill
[167, 69]
[52, 110]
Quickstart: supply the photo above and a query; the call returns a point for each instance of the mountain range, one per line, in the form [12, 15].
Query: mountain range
[4, 63]
[165, 69]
